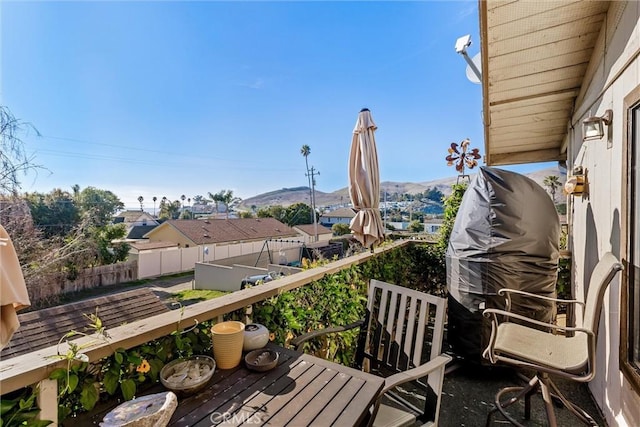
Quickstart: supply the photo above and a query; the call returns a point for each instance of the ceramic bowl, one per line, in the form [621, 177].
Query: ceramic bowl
[261, 360]
[187, 376]
[255, 336]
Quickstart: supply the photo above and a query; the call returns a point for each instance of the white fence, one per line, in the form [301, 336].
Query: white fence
[159, 262]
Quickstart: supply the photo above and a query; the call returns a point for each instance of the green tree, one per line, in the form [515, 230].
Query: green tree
[140, 200]
[277, 212]
[226, 198]
[340, 229]
[200, 200]
[416, 226]
[169, 209]
[552, 182]
[298, 213]
[107, 251]
[54, 213]
[14, 159]
[434, 194]
[98, 205]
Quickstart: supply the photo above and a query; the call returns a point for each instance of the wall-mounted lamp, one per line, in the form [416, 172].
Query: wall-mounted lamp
[593, 127]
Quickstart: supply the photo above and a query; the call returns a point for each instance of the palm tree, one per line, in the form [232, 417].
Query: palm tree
[552, 182]
[140, 199]
[183, 198]
[154, 205]
[305, 150]
[216, 198]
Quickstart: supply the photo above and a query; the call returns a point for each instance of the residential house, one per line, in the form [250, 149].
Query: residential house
[309, 232]
[433, 225]
[546, 68]
[137, 223]
[135, 218]
[338, 216]
[193, 232]
[199, 210]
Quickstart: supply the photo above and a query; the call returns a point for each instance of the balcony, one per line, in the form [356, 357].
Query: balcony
[468, 389]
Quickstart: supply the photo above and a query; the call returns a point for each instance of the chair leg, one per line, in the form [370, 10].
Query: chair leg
[549, 392]
[580, 413]
[548, 403]
[525, 392]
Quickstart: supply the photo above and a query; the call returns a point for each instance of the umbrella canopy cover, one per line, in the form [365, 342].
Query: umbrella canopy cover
[364, 182]
[13, 291]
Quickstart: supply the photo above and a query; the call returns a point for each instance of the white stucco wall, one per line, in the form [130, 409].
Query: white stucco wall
[613, 73]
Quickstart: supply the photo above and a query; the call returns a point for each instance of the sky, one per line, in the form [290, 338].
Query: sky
[169, 98]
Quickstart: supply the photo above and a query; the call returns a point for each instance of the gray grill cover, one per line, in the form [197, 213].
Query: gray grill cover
[505, 235]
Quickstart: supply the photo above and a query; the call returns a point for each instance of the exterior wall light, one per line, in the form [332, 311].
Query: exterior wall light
[593, 127]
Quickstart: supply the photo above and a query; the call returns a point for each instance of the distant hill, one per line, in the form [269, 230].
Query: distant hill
[289, 196]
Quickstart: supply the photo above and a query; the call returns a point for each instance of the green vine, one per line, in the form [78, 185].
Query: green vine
[21, 410]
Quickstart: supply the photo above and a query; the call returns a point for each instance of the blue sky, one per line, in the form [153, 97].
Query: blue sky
[170, 98]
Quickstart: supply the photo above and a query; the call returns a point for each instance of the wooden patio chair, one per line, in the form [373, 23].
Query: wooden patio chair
[401, 339]
[548, 349]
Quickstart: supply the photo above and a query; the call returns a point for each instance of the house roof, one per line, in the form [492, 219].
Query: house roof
[131, 216]
[535, 58]
[340, 213]
[228, 230]
[141, 246]
[138, 231]
[310, 229]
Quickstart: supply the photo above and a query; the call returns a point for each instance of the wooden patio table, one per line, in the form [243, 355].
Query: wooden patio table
[302, 390]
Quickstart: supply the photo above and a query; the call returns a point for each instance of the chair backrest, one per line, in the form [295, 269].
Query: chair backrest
[403, 327]
[602, 275]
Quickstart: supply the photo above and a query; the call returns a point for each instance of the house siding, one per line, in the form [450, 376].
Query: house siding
[165, 233]
[614, 72]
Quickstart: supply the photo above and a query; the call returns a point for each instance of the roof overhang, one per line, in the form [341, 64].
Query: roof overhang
[534, 58]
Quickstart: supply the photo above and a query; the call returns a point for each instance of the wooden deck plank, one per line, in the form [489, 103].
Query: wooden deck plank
[353, 408]
[332, 391]
[310, 393]
[250, 400]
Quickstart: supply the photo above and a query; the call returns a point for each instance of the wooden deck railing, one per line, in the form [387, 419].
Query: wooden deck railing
[35, 367]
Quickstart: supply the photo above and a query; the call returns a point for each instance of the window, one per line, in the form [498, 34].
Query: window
[630, 302]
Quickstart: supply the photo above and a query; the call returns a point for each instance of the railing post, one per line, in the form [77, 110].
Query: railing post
[247, 314]
[48, 400]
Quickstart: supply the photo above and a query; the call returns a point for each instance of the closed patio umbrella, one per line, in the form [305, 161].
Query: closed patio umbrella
[364, 182]
[13, 292]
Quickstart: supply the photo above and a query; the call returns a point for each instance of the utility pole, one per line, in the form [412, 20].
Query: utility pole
[312, 173]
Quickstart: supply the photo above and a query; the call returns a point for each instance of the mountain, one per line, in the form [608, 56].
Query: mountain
[289, 196]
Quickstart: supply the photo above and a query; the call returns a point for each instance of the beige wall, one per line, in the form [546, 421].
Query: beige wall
[229, 278]
[165, 233]
[596, 218]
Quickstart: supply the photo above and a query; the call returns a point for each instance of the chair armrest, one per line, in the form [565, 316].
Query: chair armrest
[299, 341]
[495, 312]
[506, 292]
[438, 362]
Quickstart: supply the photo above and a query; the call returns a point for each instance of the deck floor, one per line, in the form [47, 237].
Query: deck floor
[469, 392]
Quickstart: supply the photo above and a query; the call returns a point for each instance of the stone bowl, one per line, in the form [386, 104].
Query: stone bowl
[261, 360]
[187, 376]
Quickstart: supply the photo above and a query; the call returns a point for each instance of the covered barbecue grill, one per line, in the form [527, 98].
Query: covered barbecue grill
[505, 236]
